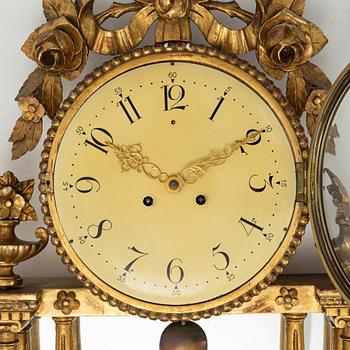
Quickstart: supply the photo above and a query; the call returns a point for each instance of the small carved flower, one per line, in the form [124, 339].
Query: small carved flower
[313, 108]
[66, 302]
[315, 102]
[172, 9]
[15, 197]
[287, 41]
[58, 47]
[11, 203]
[288, 298]
[32, 109]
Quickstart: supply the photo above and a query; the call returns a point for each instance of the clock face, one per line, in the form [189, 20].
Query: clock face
[141, 230]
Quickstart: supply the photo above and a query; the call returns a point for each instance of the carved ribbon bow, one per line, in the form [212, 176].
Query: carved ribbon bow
[174, 18]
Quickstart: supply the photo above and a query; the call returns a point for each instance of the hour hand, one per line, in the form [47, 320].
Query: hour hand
[131, 158]
[193, 171]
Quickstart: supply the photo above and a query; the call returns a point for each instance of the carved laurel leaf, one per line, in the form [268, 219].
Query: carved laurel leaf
[33, 84]
[58, 8]
[25, 136]
[28, 213]
[315, 77]
[25, 188]
[52, 94]
[297, 6]
[296, 91]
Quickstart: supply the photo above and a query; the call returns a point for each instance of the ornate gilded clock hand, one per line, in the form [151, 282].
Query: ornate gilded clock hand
[193, 171]
[131, 157]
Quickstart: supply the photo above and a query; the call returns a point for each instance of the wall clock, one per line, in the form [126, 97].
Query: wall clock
[174, 178]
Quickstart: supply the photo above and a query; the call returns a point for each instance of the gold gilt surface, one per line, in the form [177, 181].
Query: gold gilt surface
[284, 43]
[38, 297]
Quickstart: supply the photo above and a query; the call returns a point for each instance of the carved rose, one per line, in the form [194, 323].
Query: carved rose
[58, 47]
[32, 109]
[287, 41]
[14, 198]
[172, 9]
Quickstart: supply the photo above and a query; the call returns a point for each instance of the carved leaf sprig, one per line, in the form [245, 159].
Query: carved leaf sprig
[59, 49]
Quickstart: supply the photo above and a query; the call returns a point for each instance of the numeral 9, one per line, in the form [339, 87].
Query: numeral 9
[86, 184]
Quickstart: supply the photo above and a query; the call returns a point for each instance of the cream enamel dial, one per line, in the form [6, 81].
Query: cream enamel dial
[125, 223]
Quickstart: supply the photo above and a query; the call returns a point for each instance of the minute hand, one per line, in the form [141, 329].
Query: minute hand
[195, 170]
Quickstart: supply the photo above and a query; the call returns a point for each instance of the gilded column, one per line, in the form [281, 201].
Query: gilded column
[332, 335]
[327, 333]
[292, 331]
[67, 333]
[24, 338]
[8, 340]
[35, 334]
[345, 337]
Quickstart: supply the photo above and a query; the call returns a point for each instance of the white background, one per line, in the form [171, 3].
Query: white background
[18, 19]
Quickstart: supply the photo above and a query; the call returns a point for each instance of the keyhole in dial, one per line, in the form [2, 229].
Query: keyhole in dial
[200, 199]
[148, 201]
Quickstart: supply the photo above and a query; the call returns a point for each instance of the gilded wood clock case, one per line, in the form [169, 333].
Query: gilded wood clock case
[263, 88]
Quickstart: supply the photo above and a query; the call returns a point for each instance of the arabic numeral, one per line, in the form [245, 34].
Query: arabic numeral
[284, 183]
[118, 90]
[176, 291]
[87, 184]
[95, 231]
[174, 271]
[79, 130]
[228, 89]
[222, 257]
[121, 278]
[172, 75]
[269, 237]
[269, 128]
[65, 186]
[230, 277]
